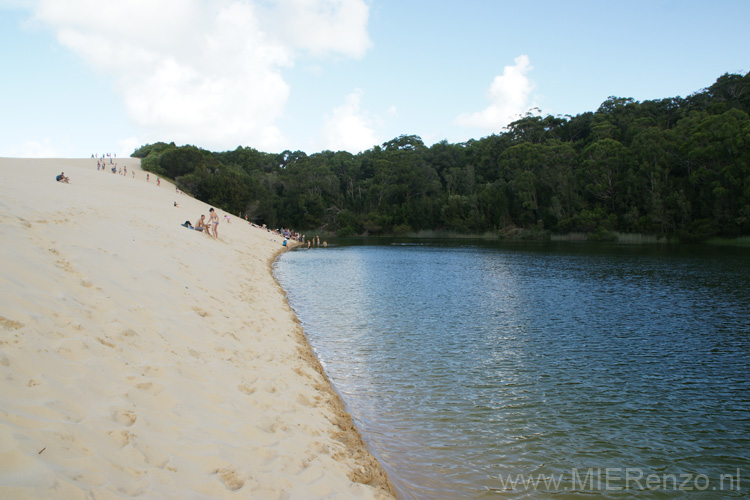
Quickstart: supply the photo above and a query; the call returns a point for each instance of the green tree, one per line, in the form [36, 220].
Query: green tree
[603, 163]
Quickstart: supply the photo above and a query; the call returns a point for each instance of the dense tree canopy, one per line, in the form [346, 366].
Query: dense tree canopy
[671, 167]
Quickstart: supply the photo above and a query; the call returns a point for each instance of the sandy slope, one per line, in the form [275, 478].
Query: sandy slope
[142, 359]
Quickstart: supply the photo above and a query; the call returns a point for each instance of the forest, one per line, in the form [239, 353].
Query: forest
[677, 168]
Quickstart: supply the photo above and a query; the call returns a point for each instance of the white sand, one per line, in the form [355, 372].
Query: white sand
[142, 359]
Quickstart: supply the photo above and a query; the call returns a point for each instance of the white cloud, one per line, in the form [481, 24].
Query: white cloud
[348, 128]
[324, 26]
[128, 145]
[36, 149]
[206, 72]
[509, 96]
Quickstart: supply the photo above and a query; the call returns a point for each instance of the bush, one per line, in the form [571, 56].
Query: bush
[156, 148]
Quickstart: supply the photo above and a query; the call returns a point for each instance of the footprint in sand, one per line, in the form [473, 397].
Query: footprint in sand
[128, 336]
[304, 401]
[106, 342]
[10, 324]
[246, 388]
[65, 265]
[150, 387]
[277, 426]
[122, 438]
[153, 371]
[200, 312]
[74, 351]
[231, 478]
[125, 417]
[321, 448]
[272, 387]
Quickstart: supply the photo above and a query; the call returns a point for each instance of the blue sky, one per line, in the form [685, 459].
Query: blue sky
[86, 76]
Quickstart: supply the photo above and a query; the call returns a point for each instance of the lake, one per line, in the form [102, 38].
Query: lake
[490, 370]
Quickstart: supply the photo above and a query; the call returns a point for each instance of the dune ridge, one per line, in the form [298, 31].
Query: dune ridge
[142, 359]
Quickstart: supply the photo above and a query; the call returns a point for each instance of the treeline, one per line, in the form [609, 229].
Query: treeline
[672, 167]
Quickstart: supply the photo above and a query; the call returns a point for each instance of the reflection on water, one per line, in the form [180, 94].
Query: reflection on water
[465, 366]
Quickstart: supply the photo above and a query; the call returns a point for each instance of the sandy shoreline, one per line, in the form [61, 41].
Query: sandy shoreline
[140, 358]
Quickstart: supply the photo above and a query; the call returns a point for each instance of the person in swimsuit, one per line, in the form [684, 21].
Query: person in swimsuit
[200, 225]
[213, 221]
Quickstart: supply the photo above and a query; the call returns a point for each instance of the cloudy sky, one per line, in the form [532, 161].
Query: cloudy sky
[96, 76]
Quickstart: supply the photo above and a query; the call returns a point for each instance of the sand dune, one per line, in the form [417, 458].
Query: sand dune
[142, 359]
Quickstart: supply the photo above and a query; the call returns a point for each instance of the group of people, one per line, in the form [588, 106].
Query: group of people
[288, 235]
[115, 169]
[315, 241]
[101, 164]
[108, 155]
[210, 227]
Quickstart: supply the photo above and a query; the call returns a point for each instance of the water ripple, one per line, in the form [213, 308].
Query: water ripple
[466, 366]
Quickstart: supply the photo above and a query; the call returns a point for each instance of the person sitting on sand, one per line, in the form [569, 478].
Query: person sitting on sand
[201, 225]
[62, 178]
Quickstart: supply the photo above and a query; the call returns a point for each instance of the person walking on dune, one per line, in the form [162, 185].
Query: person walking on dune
[213, 222]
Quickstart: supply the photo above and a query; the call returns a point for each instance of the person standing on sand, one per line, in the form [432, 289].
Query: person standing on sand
[213, 221]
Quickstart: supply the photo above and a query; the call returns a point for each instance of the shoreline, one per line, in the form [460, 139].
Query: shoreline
[140, 358]
[371, 471]
[531, 236]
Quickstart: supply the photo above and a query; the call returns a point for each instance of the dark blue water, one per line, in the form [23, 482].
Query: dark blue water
[584, 370]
